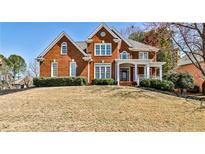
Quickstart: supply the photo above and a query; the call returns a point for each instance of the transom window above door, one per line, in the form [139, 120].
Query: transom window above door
[143, 55]
[124, 55]
[103, 49]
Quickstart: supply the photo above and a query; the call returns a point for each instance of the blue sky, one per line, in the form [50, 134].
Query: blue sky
[31, 38]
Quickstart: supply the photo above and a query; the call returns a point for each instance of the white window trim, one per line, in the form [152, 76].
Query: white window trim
[105, 49]
[66, 48]
[126, 53]
[73, 62]
[143, 55]
[52, 69]
[101, 64]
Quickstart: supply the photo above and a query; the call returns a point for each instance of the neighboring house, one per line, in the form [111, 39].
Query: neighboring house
[185, 65]
[105, 54]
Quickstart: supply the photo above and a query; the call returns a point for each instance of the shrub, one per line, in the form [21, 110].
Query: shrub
[167, 85]
[145, 83]
[181, 80]
[195, 89]
[157, 84]
[107, 81]
[49, 82]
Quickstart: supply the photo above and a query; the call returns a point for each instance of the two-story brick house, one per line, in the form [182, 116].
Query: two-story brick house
[105, 54]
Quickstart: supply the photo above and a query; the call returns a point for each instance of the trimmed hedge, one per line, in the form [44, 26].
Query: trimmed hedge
[157, 84]
[60, 81]
[107, 81]
[145, 83]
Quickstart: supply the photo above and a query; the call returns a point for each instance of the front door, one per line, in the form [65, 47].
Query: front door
[124, 74]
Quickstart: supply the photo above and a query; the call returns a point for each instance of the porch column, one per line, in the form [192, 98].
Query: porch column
[148, 71]
[160, 72]
[118, 74]
[136, 74]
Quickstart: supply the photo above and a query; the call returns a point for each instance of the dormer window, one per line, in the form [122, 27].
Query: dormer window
[143, 55]
[124, 55]
[64, 48]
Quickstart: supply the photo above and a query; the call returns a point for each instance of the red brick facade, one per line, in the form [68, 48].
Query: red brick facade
[63, 60]
[85, 68]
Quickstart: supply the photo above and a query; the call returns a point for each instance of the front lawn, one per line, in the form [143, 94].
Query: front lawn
[98, 108]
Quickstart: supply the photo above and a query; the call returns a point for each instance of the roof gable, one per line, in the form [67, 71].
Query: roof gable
[103, 25]
[56, 41]
[121, 37]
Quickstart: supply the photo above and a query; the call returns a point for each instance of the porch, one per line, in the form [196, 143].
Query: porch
[132, 71]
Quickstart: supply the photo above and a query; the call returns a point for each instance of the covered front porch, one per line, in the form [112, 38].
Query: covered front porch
[132, 71]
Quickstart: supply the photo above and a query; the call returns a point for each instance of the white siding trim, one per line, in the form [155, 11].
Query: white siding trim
[56, 40]
[101, 26]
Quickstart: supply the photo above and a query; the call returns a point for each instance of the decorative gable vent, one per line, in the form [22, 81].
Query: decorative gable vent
[102, 34]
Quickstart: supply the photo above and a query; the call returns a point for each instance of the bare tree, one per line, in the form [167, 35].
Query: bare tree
[189, 38]
[33, 68]
[6, 78]
[129, 30]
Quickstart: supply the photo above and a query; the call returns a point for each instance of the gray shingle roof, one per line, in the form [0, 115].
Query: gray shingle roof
[135, 45]
[141, 46]
[82, 45]
[185, 59]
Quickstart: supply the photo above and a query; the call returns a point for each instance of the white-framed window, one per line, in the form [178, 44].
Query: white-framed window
[124, 55]
[54, 69]
[143, 55]
[103, 49]
[73, 67]
[64, 48]
[102, 71]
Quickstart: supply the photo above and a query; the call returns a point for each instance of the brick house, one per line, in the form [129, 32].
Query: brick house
[105, 54]
[186, 66]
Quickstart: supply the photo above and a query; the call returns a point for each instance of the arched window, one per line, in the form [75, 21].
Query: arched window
[124, 55]
[64, 48]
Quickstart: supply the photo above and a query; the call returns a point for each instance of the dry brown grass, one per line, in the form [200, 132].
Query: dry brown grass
[98, 108]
